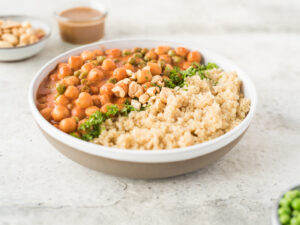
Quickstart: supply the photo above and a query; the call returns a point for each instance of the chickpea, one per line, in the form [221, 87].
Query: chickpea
[106, 89]
[155, 69]
[64, 71]
[94, 90]
[98, 52]
[60, 65]
[144, 76]
[119, 74]
[91, 110]
[71, 92]
[123, 85]
[194, 56]
[121, 101]
[114, 52]
[151, 55]
[84, 100]
[72, 80]
[146, 85]
[68, 125]
[128, 66]
[108, 64]
[160, 50]
[54, 77]
[166, 58]
[87, 55]
[104, 107]
[95, 75]
[104, 99]
[62, 100]
[96, 100]
[181, 51]
[186, 65]
[78, 112]
[41, 106]
[75, 62]
[60, 112]
[46, 113]
[87, 67]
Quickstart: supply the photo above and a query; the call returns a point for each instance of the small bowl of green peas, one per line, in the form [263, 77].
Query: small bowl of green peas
[287, 209]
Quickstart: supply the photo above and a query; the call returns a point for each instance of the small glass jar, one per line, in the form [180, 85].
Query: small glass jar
[82, 22]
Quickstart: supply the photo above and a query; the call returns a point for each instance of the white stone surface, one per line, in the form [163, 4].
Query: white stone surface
[40, 186]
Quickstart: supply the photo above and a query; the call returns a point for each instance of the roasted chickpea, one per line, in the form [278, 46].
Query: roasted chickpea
[61, 65]
[87, 55]
[181, 51]
[78, 112]
[128, 66]
[104, 99]
[108, 64]
[68, 125]
[64, 71]
[114, 52]
[106, 89]
[104, 108]
[155, 69]
[60, 112]
[75, 62]
[194, 56]
[54, 76]
[62, 100]
[72, 80]
[144, 76]
[98, 52]
[166, 58]
[150, 55]
[119, 74]
[186, 65]
[95, 75]
[91, 110]
[71, 92]
[160, 50]
[84, 100]
[94, 90]
[46, 113]
[122, 100]
[146, 85]
[87, 67]
[96, 100]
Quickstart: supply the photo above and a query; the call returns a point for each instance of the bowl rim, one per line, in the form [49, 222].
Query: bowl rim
[47, 36]
[142, 156]
[275, 217]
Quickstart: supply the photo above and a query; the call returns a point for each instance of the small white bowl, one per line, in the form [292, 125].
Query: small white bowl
[23, 52]
[142, 163]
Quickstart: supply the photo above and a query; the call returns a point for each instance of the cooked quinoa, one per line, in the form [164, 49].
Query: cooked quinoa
[200, 111]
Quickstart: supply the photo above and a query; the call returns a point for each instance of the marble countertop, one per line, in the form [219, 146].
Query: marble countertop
[40, 186]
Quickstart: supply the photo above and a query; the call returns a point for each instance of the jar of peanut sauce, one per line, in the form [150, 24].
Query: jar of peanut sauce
[82, 23]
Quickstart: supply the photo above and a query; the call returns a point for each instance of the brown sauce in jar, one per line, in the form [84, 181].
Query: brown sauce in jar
[81, 25]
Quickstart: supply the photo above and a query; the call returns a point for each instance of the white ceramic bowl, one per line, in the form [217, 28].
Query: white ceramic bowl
[23, 52]
[137, 163]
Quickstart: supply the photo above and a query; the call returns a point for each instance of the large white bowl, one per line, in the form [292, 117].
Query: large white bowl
[23, 52]
[137, 163]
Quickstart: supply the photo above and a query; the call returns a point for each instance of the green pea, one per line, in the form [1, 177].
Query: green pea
[146, 58]
[138, 55]
[100, 59]
[296, 204]
[285, 202]
[126, 52]
[136, 49]
[292, 194]
[112, 80]
[131, 60]
[284, 219]
[295, 220]
[84, 81]
[95, 62]
[153, 60]
[77, 73]
[60, 88]
[284, 210]
[171, 53]
[116, 60]
[144, 51]
[176, 59]
[85, 88]
[83, 75]
[296, 213]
